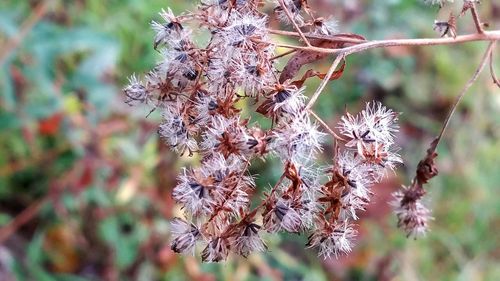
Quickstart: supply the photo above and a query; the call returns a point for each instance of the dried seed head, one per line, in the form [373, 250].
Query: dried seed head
[227, 136]
[216, 250]
[298, 140]
[185, 236]
[283, 216]
[243, 31]
[333, 240]
[177, 130]
[413, 216]
[136, 92]
[171, 32]
[199, 91]
[371, 134]
[194, 192]
[248, 240]
[294, 7]
[325, 27]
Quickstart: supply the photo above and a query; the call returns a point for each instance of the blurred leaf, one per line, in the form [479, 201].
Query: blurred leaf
[35, 256]
[124, 236]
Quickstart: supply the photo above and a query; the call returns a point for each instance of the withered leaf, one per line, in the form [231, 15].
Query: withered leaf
[303, 57]
[265, 107]
[312, 73]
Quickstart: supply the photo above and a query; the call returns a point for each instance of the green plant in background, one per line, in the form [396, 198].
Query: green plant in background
[101, 173]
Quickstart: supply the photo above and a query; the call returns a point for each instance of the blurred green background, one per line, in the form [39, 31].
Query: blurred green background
[85, 181]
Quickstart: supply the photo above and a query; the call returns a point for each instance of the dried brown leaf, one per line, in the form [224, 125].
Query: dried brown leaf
[312, 73]
[303, 57]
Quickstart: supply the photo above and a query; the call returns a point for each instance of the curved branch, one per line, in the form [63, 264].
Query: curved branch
[492, 71]
[469, 83]
[297, 27]
[486, 36]
[341, 37]
[325, 81]
[475, 17]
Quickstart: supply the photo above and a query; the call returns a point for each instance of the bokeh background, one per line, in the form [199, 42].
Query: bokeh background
[85, 181]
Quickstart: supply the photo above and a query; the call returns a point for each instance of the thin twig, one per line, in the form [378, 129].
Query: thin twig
[325, 126]
[426, 168]
[26, 27]
[486, 36]
[334, 38]
[492, 71]
[325, 80]
[290, 17]
[475, 17]
[464, 90]
[284, 54]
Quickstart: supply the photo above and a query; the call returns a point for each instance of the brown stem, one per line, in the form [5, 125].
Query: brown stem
[475, 17]
[325, 80]
[469, 83]
[486, 36]
[426, 167]
[325, 126]
[273, 190]
[492, 71]
[284, 54]
[290, 17]
[334, 38]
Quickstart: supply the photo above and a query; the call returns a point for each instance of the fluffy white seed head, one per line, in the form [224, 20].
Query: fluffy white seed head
[298, 140]
[136, 93]
[283, 217]
[249, 241]
[185, 235]
[333, 240]
[177, 130]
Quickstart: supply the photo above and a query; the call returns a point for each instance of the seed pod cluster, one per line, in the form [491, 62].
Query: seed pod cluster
[198, 90]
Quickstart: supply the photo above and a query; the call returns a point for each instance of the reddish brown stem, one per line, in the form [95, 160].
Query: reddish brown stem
[329, 74]
[334, 38]
[290, 17]
[284, 54]
[486, 36]
[426, 168]
[325, 126]
[273, 190]
[469, 83]
[492, 71]
[475, 17]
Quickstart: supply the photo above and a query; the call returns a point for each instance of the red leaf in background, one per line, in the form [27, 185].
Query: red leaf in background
[50, 125]
[87, 176]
